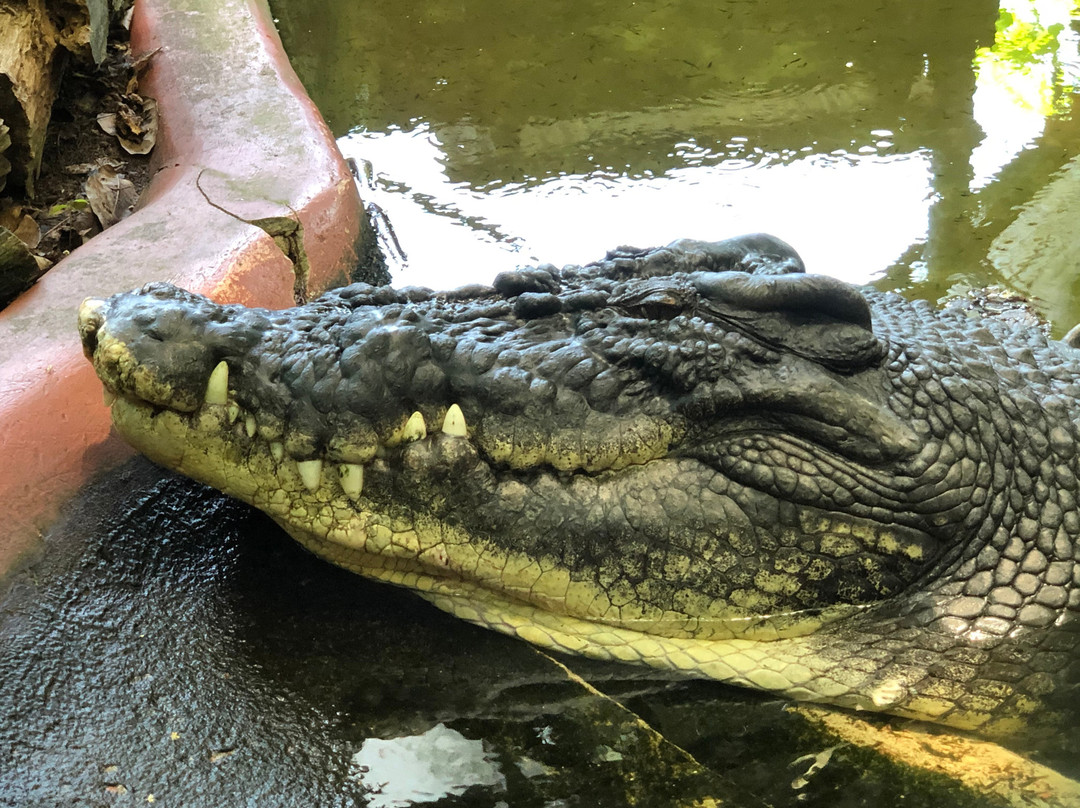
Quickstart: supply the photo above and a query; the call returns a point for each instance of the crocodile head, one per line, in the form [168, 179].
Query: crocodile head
[697, 457]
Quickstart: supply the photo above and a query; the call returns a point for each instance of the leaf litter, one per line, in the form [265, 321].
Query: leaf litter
[93, 168]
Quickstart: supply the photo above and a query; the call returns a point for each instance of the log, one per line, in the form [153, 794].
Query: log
[84, 25]
[5, 166]
[29, 76]
[18, 267]
[36, 36]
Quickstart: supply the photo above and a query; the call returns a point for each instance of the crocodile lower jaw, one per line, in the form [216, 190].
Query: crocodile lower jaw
[781, 653]
[789, 665]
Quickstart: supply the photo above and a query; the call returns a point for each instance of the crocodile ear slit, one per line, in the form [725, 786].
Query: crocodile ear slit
[792, 293]
[814, 316]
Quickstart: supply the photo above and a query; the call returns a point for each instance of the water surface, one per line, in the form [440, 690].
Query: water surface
[924, 147]
[889, 142]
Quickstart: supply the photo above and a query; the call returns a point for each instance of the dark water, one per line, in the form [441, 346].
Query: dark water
[175, 648]
[894, 142]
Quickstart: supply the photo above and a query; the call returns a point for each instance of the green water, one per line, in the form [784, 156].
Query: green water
[925, 147]
[892, 142]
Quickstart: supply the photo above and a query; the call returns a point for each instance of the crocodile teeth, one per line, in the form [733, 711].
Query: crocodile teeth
[415, 428]
[217, 390]
[108, 395]
[277, 450]
[250, 425]
[454, 422]
[234, 413]
[352, 479]
[310, 473]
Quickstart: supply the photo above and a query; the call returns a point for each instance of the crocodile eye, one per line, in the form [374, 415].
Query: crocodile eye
[654, 304]
[658, 310]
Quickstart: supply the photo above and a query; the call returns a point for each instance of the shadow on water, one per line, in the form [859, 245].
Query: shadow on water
[175, 645]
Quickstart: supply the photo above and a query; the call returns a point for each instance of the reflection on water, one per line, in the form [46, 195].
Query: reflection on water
[892, 143]
[455, 233]
[424, 768]
[1020, 81]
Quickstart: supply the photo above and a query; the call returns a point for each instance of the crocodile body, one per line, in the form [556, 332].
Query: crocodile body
[697, 457]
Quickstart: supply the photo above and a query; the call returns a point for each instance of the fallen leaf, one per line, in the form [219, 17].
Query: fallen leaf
[29, 231]
[21, 224]
[86, 168]
[134, 123]
[112, 195]
[64, 208]
[220, 754]
[10, 214]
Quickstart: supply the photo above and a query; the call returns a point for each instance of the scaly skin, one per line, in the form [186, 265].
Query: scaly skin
[696, 457]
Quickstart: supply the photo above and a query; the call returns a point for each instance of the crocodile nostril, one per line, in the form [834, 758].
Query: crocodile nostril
[91, 319]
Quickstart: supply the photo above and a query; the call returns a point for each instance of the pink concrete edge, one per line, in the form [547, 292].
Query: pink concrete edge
[54, 428]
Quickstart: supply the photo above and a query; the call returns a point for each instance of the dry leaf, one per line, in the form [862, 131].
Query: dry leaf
[21, 224]
[112, 196]
[28, 231]
[10, 214]
[134, 124]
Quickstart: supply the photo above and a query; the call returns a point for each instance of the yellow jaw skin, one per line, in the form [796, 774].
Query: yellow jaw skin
[325, 510]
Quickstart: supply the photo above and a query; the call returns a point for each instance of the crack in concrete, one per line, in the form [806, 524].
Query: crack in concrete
[288, 235]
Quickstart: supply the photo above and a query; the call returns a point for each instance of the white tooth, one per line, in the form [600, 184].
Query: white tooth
[234, 412]
[310, 473]
[454, 422]
[415, 428]
[352, 479]
[217, 390]
[277, 450]
[109, 396]
[250, 425]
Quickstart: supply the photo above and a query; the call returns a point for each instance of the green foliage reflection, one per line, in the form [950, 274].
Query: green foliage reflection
[1025, 58]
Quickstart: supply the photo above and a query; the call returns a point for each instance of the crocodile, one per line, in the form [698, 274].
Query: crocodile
[697, 457]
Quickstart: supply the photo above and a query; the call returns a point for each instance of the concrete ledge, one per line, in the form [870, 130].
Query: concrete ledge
[237, 130]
